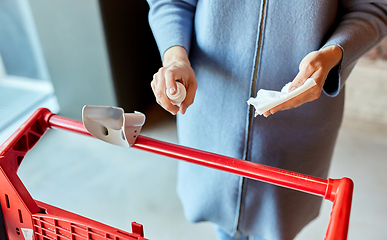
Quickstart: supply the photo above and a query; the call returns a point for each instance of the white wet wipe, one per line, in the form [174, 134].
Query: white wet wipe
[268, 99]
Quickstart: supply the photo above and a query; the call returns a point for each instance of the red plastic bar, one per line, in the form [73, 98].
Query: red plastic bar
[260, 172]
[340, 193]
[251, 170]
[56, 121]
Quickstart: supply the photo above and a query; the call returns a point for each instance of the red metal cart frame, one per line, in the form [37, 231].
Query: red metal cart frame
[26, 218]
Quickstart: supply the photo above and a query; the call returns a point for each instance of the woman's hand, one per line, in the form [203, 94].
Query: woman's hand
[315, 65]
[176, 66]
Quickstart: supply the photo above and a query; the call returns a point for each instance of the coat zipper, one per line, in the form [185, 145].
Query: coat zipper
[252, 93]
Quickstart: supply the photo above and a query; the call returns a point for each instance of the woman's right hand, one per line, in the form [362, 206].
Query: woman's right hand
[176, 67]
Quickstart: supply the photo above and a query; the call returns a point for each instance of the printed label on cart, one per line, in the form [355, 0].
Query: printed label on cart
[27, 233]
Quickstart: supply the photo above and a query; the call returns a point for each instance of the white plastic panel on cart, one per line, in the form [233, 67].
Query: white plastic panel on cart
[112, 125]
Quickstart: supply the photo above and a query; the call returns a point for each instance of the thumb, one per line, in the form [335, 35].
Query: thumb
[300, 79]
[297, 82]
[171, 75]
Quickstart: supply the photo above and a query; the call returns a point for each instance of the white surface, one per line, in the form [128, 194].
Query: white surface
[27, 233]
[112, 125]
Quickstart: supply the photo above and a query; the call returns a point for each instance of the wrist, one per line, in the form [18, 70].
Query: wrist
[334, 54]
[175, 54]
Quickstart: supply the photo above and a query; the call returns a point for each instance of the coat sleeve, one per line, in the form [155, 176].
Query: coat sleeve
[361, 26]
[171, 22]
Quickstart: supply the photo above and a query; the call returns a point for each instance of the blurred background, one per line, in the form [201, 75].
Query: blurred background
[66, 54]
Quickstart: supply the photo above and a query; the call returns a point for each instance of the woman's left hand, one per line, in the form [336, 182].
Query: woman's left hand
[315, 65]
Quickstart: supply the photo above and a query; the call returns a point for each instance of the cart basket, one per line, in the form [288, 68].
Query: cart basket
[22, 217]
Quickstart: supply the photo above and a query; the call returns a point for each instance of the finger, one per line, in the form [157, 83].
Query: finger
[190, 96]
[153, 85]
[171, 75]
[167, 105]
[300, 79]
[156, 77]
[161, 96]
[307, 96]
[165, 102]
[291, 103]
[158, 84]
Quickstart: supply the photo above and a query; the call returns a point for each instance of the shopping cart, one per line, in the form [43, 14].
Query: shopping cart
[27, 219]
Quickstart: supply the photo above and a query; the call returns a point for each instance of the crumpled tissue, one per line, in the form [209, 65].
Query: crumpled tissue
[267, 99]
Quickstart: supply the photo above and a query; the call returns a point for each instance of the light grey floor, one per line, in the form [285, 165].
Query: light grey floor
[361, 154]
[117, 185]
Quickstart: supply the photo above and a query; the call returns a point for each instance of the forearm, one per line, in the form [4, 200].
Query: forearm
[171, 22]
[360, 28]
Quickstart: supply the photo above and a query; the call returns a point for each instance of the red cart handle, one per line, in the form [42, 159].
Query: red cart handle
[339, 191]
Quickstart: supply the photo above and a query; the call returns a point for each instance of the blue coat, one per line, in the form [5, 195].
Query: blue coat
[235, 49]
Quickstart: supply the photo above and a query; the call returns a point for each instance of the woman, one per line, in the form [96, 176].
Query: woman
[224, 52]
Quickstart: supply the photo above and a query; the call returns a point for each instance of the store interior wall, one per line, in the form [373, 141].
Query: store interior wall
[97, 52]
[72, 40]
